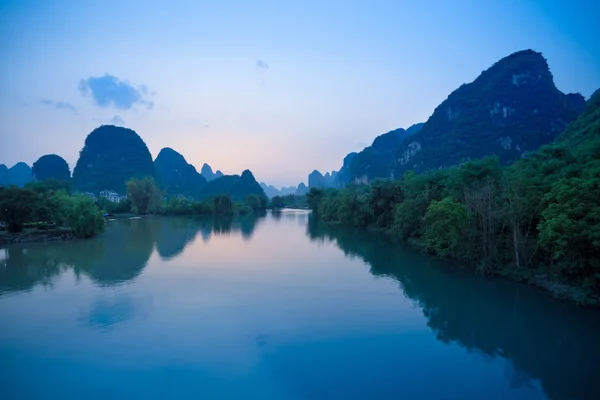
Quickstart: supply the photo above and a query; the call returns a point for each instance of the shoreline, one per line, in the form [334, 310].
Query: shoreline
[36, 236]
[556, 289]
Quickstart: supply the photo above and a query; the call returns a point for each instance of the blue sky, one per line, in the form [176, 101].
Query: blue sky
[279, 87]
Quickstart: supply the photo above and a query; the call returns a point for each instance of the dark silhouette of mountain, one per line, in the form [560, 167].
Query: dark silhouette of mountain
[51, 166]
[271, 191]
[208, 173]
[510, 110]
[288, 190]
[414, 128]
[376, 160]
[315, 179]
[302, 189]
[372, 162]
[176, 176]
[111, 156]
[583, 134]
[318, 180]
[18, 175]
[344, 176]
[236, 186]
[4, 175]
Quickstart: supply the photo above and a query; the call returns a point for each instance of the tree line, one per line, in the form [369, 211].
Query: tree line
[536, 220]
[50, 204]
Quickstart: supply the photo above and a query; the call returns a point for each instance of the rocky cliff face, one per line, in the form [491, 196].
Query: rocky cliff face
[511, 109]
[376, 161]
[176, 176]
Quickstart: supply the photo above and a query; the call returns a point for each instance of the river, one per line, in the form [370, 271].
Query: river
[277, 307]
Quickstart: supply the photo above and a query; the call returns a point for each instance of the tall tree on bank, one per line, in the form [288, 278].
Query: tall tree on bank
[144, 194]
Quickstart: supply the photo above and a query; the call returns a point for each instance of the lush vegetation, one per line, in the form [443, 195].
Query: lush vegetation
[51, 167]
[537, 220]
[176, 176]
[144, 195]
[49, 208]
[219, 205]
[288, 201]
[110, 157]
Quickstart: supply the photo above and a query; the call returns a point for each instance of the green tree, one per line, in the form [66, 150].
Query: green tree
[82, 216]
[253, 201]
[222, 205]
[445, 223]
[50, 185]
[570, 226]
[314, 197]
[17, 206]
[144, 194]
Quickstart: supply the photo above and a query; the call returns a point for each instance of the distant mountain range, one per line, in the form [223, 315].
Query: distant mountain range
[208, 174]
[271, 191]
[510, 110]
[18, 175]
[112, 155]
[176, 176]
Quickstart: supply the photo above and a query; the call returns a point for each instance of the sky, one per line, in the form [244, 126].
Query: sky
[277, 87]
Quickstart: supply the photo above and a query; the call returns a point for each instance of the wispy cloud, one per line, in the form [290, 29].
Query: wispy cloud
[108, 90]
[262, 71]
[262, 64]
[61, 105]
[116, 120]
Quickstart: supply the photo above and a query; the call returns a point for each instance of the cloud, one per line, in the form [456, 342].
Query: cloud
[262, 64]
[108, 90]
[116, 120]
[61, 105]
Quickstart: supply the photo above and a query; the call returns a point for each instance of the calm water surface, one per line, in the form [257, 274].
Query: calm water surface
[277, 307]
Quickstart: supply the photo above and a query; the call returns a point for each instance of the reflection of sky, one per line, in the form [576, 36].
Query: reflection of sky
[3, 257]
[107, 312]
[274, 316]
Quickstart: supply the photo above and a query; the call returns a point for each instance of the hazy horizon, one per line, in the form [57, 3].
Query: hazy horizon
[277, 88]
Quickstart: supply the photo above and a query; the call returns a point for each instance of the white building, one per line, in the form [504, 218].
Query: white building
[111, 196]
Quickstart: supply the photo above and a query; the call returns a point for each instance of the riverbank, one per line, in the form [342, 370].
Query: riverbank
[539, 278]
[30, 235]
[560, 290]
[532, 277]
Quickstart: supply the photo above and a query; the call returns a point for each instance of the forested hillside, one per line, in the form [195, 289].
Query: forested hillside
[111, 156]
[537, 220]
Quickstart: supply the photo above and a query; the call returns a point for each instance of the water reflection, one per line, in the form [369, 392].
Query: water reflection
[543, 338]
[116, 257]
